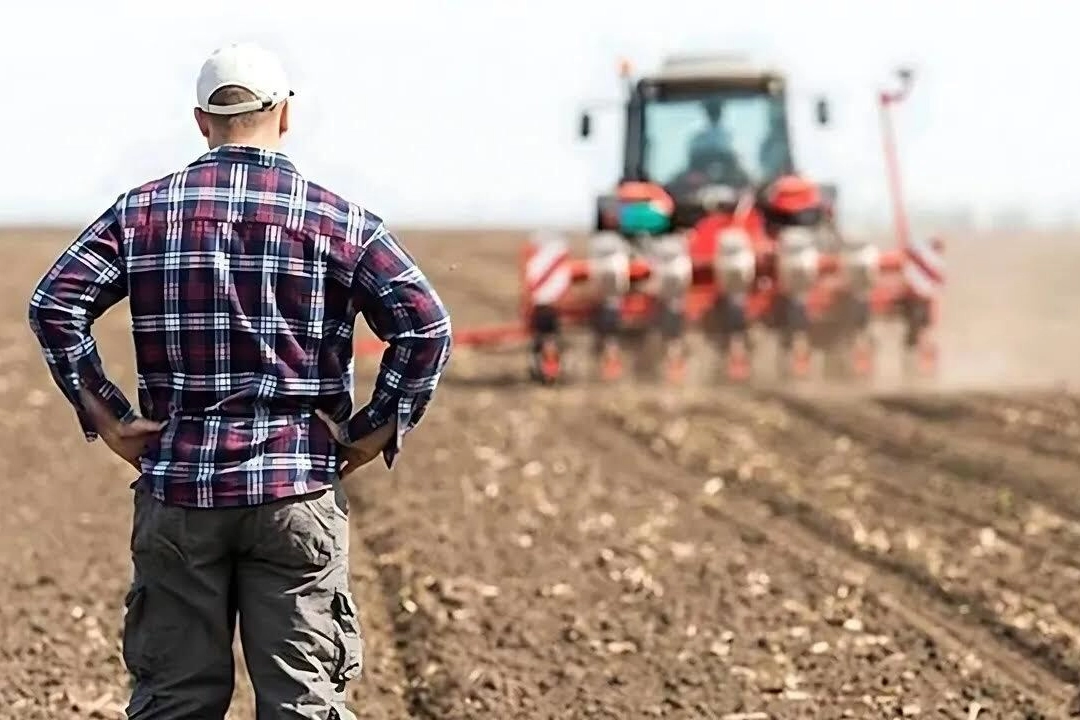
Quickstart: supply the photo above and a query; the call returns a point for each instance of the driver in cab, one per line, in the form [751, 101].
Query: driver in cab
[713, 138]
[711, 154]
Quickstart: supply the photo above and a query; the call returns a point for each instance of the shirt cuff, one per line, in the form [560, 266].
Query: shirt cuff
[366, 422]
[110, 395]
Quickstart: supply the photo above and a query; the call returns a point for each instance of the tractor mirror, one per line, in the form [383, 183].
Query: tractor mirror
[586, 125]
[821, 109]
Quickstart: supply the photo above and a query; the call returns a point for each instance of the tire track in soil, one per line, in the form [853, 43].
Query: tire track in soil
[1048, 542]
[805, 548]
[987, 466]
[1022, 570]
[550, 639]
[1026, 473]
[787, 503]
[1027, 422]
[1005, 586]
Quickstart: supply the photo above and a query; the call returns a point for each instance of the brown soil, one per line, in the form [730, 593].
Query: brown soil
[634, 552]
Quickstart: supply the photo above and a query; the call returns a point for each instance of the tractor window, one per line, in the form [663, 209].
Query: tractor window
[736, 137]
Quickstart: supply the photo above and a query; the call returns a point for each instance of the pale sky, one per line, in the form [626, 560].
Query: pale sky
[465, 111]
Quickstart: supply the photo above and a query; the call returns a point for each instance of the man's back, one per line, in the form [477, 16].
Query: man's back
[244, 282]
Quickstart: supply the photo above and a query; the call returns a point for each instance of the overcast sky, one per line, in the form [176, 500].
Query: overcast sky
[464, 111]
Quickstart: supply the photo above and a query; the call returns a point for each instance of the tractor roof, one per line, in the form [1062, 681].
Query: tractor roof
[690, 68]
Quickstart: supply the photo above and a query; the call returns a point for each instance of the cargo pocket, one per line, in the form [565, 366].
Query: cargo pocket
[348, 643]
[133, 639]
[135, 651]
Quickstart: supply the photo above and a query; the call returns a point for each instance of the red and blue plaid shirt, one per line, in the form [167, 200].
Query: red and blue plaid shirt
[244, 281]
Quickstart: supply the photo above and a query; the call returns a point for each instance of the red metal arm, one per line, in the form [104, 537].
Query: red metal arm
[886, 100]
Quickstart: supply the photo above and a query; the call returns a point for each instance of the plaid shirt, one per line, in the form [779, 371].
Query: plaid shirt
[244, 282]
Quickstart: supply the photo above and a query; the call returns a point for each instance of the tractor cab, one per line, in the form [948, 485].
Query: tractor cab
[706, 129]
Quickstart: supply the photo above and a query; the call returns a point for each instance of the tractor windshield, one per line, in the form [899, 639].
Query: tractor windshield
[734, 137]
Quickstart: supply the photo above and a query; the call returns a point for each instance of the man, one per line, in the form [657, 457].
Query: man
[244, 281]
[714, 137]
[712, 156]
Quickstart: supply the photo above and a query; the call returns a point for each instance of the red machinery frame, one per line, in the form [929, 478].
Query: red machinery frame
[894, 265]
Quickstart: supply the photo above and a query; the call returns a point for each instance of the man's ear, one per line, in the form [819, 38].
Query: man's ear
[203, 121]
[283, 120]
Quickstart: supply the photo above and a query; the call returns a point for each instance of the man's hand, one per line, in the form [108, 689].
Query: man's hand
[362, 451]
[127, 440]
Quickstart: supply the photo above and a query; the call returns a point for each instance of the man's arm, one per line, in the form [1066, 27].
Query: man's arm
[84, 282]
[402, 308]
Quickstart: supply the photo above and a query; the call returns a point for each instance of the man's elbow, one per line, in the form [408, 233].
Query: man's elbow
[41, 305]
[438, 328]
[33, 316]
[52, 323]
[440, 343]
[447, 336]
[447, 327]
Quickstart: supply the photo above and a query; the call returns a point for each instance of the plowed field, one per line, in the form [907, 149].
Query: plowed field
[624, 552]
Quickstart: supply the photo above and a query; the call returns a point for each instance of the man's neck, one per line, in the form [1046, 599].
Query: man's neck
[252, 141]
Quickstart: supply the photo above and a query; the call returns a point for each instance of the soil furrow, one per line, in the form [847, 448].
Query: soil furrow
[611, 587]
[831, 529]
[1050, 544]
[1022, 581]
[1026, 473]
[1016, 421]
[1038, 689]
[807, 550]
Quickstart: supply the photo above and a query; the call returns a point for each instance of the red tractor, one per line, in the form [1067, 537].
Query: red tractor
[713, 227]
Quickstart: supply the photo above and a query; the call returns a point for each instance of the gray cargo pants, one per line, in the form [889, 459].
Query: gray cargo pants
[282, 567]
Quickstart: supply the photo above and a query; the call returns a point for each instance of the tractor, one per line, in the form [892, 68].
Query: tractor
[711, 225]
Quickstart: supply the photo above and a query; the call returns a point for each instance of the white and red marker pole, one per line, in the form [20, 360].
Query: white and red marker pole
[886, 101]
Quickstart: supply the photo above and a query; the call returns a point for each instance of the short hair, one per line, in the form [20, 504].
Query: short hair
[234, 95]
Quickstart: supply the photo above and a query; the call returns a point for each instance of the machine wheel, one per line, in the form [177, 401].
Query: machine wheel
[736, 354]
[546, 362]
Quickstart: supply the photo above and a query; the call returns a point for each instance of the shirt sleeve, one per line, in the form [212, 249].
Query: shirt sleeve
[84, 282]
[403, 309]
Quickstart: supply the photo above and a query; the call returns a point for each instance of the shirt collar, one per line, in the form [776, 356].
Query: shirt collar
[247, 154]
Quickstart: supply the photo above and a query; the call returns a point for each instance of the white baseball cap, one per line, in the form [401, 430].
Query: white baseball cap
[247, 66]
